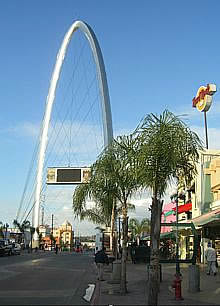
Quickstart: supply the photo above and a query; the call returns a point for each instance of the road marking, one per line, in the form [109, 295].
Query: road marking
[89, 292]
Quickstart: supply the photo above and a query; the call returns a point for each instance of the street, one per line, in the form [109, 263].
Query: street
[45, 278]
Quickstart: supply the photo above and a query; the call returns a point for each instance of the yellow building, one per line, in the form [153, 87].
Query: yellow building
[64, 235]
[206, 200]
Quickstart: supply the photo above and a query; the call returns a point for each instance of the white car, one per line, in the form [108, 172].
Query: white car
[16, 249]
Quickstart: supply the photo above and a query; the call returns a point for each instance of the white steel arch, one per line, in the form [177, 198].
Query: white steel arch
[105, 105]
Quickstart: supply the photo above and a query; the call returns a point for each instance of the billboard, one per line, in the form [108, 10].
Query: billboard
[68, 175]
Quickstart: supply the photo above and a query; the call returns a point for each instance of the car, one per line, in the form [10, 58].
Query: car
[16, 249]
[7, 246]
[2, 250]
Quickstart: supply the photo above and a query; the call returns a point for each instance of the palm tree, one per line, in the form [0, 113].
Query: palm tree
[139, 227]
[117, 167]
[168, 149]
[23, 226]
[101, 212]
[106, 209]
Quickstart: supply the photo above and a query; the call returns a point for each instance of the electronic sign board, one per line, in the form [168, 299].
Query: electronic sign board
[68, 175]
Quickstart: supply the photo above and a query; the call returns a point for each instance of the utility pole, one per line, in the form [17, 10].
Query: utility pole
[51, 232]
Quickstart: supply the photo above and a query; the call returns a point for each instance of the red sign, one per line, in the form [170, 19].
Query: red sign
[203, 99]
[201, 95]
[184, 208]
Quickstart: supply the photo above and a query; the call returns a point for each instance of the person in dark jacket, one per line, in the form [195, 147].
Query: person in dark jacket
[101, 258]
[56, 249]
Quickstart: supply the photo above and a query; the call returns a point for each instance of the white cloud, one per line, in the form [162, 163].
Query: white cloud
[24, 129]
[213, 136]
[66, 208]
[189, 112]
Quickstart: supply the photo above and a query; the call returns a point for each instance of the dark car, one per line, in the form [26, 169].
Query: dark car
[2, 250]
[7, 246]
[16, 248]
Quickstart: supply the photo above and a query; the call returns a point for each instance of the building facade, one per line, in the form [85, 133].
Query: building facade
[199, 204]
[64, 236]
[206, 201]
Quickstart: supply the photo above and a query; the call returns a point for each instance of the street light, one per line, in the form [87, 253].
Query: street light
[175, 196]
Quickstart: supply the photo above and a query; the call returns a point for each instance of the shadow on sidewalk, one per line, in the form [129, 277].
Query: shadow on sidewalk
[137, 288]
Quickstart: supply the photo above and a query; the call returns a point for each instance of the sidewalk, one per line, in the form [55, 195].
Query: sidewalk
[108, 294]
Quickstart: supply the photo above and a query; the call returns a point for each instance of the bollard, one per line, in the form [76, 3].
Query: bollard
[116, 273]
[194, 278]
[177, 286]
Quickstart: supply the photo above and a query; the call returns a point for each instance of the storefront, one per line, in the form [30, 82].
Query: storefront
[208, 227]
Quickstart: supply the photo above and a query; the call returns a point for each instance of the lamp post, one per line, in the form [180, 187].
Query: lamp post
[177, 239]
[175, 196]
[180, 196]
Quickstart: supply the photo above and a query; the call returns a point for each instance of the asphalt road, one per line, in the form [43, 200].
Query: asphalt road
[46, 278]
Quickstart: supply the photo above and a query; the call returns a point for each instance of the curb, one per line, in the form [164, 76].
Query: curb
[96, 294]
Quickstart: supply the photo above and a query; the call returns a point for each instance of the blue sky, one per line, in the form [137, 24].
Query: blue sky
[156, 53]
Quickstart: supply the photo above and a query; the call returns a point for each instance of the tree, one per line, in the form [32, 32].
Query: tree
[106, 210]
[138, 227]
[22, 226]
[167, 150]
[101, 212]
[118, 167]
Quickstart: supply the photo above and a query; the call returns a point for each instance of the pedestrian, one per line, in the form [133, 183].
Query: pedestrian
[101, 258]
[210, 255]
[133, 252]
[56, 249]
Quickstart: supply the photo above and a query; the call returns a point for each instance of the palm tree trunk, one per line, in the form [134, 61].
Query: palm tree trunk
[123, 285]
[112, 228]
[153, 283]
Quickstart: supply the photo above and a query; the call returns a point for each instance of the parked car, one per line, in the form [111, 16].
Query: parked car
[2, 250]
[16, 249]
[7, 246]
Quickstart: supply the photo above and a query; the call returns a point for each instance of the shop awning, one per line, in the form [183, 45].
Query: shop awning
[170, 235]
[184, 208]
[207, 218]
[162, 235]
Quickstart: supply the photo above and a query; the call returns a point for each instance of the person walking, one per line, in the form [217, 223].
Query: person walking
[56, 249]
[210, 255]
[133, 252]
[101, 258]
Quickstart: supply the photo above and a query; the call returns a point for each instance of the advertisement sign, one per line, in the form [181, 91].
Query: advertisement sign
[203, 99]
